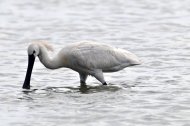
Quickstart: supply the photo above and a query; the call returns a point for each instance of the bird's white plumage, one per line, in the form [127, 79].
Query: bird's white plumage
[91, 55]
[87, 58]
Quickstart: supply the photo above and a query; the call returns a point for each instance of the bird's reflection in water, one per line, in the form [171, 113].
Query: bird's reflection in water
[98, 88]
[84, 88]
[26, 91]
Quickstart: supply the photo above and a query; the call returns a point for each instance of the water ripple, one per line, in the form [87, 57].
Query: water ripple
[154, 93]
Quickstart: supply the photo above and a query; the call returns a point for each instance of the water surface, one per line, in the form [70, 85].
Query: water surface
[154, 93]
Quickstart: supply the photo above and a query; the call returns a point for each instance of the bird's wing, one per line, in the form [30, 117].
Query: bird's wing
[98, 56]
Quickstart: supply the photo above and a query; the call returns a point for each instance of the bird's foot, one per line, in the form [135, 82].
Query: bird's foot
[105, 83]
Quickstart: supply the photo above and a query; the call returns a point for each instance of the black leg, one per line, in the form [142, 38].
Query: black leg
[83, 78]
[82, 82]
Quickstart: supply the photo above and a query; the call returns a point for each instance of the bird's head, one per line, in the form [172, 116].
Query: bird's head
[34, 50]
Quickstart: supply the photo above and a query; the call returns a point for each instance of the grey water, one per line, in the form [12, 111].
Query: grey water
[155, 93]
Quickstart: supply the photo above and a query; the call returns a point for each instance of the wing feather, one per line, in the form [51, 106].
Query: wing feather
[98, 56]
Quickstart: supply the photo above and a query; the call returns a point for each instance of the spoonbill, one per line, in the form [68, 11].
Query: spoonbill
[86, 58]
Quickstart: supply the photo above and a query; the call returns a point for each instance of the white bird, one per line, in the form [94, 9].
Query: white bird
[86, 58]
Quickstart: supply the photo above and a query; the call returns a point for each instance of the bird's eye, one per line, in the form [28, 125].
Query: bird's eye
[34, 51]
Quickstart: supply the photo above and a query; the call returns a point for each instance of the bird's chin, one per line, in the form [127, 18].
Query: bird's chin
[31, 59]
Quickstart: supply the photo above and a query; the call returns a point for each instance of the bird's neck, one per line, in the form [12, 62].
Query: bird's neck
[51, 63]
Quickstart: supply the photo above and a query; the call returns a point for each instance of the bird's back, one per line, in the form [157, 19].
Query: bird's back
[92, 55]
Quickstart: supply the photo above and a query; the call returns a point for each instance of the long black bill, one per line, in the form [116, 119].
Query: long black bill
[31, 60]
